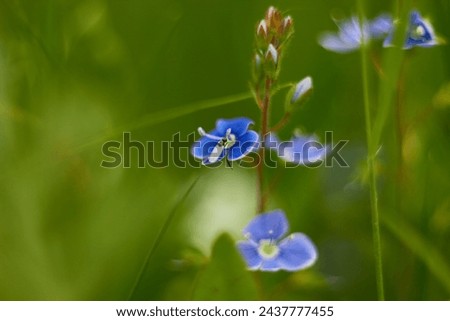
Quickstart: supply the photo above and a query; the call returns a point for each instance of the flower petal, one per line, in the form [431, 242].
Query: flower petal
[381, 26]
[315, 154]
[307, 150]
[302, 150]
[215, 157]
[349, 38]
[297, 252]
[350, 30]
[271, 265]
[244, 145]
[204, 146]
[268, 226]
[332, 42]
[249, 251]
[238, 126]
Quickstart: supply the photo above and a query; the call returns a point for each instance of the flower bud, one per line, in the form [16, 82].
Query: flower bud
[273, 18]
[299, 93]
[269, 14]
[257, 61]
[302, 89]
[287, 24]
[272, 54]
[262, 29]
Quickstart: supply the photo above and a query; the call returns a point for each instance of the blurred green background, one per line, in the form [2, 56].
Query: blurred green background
[74, 74]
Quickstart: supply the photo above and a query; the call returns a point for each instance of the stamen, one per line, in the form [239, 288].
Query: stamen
[420, 31]
[268, 249]
[230, 139]
[202, 132]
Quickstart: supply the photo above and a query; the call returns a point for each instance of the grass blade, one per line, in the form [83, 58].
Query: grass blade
[424, 250]
[159, 237]
[166, 115]
[371, 163]
[173, 113]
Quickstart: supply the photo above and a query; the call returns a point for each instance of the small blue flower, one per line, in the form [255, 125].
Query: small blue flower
[301, 149]
[265, 249]
[351, 36]
[420, 33]
[231, 139]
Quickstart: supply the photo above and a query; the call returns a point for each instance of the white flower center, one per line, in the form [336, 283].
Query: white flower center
[267, 249]
[420, 31]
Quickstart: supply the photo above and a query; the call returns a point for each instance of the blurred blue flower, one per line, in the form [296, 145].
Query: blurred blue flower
[351, 34]
[301, 149]
[420, 33]
[231, 139]
[381, 26]
[265, 249]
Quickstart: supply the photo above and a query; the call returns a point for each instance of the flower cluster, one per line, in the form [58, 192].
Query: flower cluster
[232, 140]
[271, 39]
[272, 34]
[353, 33]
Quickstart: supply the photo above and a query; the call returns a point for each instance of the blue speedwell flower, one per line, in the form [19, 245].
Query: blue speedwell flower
[352, 35]
[301, 149]
[231, 139]
[265, 249]
[420, 33]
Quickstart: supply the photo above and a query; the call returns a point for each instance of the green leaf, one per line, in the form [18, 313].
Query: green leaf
[424, 250]
[225, 277]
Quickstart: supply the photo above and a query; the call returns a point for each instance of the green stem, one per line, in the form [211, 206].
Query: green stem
[264, 130]
[371, 155]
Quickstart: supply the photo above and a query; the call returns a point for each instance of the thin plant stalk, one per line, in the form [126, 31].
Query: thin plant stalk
[371, 157]
[264, 130]
[158, 239]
